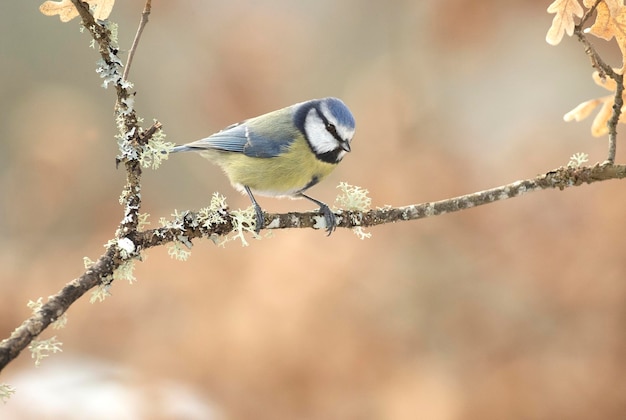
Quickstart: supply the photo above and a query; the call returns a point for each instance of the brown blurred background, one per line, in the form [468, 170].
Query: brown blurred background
[514, 310]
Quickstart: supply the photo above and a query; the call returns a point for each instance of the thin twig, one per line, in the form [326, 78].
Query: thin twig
[142, 23]
[589, 12]
[604, 70]
[615, 116]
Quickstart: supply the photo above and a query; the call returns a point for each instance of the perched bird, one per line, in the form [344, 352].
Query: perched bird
[282, 153]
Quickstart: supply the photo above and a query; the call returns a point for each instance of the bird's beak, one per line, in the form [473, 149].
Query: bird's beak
[345, 145]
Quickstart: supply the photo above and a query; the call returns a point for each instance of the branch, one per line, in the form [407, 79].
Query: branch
[133, 137]
[189, 228]
[559, 178]
[604, 70]
[56, 305]
[142, 24]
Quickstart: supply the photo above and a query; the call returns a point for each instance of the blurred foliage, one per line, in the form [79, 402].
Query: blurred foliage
[513, 310]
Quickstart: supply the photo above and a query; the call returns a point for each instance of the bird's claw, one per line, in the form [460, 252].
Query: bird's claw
[260, 219]
[330, 218]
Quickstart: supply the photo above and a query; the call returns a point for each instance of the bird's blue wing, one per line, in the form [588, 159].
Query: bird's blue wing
[263, 143]
[231, 139]
[252, 137]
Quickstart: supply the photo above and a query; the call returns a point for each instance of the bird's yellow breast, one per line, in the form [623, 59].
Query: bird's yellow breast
[283, 175]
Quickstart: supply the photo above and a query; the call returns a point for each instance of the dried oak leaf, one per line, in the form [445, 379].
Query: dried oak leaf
[101, 9]
[563, 21]
[599, 126]
[611, 22]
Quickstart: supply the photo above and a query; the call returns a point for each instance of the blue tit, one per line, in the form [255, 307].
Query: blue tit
[282, 153]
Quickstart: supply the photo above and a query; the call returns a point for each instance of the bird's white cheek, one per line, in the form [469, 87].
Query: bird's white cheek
[321, 140]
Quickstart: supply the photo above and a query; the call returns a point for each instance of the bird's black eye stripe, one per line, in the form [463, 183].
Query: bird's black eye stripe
[330, 127]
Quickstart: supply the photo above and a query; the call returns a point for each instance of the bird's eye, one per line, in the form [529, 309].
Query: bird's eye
[331, 129]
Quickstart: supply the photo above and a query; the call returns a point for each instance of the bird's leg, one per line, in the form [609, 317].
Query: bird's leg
[260, 220]
[329, 216]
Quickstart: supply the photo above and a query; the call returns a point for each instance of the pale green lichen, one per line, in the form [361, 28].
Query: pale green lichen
[243, 221]
[88, 263]
[100, 293]
[577, 160]
[127, 150]
[113, 27]
[40, 349]
[176, 251]
[354, 198]
[143, 221]
[215, 214]
[178, 221]
[110, 70]
[5, 392]
[61, 322]
[155, 151]
[125, 272]
[361, 233]
[35, 305]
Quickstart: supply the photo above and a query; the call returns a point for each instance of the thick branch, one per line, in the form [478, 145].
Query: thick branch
[133, 137]
[56, 305]
[560, 178]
